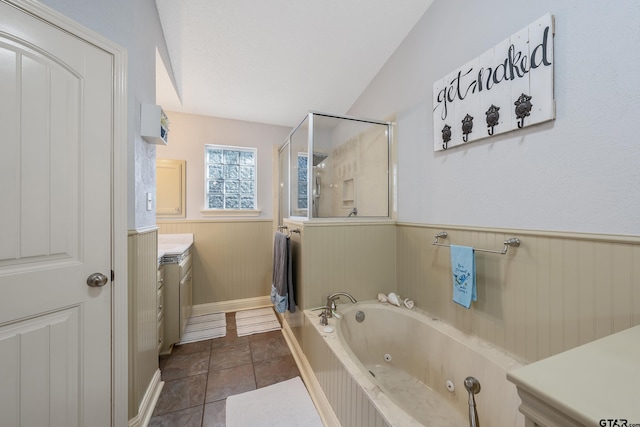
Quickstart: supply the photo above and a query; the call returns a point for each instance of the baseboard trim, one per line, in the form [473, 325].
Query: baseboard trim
[318, 397]
[149, 402]
[231, 305]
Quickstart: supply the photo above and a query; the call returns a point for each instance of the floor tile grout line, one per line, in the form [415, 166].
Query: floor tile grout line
[253, 366]
[254, 344]
[206, 384]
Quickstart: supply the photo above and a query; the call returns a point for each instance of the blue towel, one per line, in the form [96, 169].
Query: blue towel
[463, 270]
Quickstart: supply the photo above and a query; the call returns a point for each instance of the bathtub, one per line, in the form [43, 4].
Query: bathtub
[405, 363]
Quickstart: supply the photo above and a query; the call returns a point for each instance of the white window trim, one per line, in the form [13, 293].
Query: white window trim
[230, 212]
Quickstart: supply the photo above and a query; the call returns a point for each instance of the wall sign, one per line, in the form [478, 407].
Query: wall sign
[506, 88]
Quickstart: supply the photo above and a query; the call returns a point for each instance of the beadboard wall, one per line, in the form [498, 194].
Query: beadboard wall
[232, 259]
[554, 292]
[143, 316]
[347, 399]
[357, 257]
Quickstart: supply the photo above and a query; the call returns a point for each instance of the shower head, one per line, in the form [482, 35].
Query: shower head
[318, 158]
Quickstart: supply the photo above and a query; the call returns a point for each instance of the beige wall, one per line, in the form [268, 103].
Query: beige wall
[554, 292]
[232, 259]
[354, 257]
[188, 135]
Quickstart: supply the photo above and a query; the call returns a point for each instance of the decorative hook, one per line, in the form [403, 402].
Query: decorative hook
[493, 116]
[446, 136]
[467, 125]
[523, 108]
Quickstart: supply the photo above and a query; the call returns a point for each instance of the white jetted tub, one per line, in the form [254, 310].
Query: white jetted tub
[406, 362]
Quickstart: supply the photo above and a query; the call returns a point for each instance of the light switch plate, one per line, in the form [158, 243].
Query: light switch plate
[149, 201]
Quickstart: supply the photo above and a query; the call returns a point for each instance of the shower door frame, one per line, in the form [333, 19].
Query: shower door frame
[310, 150]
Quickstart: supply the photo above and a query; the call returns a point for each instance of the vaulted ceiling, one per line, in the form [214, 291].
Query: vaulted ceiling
[271, 61]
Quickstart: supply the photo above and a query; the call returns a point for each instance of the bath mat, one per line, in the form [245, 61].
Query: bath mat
[205, 327]
[283, 404]
[256, 321]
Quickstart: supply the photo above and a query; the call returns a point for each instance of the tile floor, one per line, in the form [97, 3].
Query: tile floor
[200, 376]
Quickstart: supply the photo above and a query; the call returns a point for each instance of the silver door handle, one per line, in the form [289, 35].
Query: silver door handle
[97, 280]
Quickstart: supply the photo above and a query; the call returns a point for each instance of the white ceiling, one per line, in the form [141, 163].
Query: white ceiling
[271, 61]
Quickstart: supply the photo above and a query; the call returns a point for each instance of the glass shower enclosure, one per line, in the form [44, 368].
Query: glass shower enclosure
[334, 166]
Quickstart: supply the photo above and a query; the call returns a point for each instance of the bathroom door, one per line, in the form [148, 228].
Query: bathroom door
[56, 131]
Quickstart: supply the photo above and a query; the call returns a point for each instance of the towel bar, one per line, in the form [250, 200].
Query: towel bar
[284, 227]
[514, 241]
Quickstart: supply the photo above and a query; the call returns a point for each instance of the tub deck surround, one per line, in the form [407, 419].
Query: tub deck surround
[584, 385]
[424, 349]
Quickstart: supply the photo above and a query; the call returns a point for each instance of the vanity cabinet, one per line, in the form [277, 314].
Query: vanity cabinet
[594, 384]
[177, 294]
[186, 299]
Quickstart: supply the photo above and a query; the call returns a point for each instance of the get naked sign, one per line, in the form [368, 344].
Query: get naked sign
[508, 87]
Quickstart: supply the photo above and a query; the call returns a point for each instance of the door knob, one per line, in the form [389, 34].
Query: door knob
[97, 280]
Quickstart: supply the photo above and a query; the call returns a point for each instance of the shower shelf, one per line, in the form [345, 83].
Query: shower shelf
[349, 193]
[512, 242]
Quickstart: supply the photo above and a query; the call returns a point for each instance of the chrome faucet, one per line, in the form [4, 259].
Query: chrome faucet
[330, 308]
[353, 211]
[331, 302]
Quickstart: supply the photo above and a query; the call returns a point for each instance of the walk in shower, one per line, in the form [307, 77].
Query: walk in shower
[335, 167]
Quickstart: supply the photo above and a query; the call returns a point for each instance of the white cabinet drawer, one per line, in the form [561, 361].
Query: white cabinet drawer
[185, 265]
[160, 300]
[160, 280]
[160, 334]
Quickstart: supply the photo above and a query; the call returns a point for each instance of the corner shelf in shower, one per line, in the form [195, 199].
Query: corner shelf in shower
[349, 193]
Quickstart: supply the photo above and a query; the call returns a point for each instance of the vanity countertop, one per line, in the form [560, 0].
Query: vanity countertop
[173, 244]
[589, 383]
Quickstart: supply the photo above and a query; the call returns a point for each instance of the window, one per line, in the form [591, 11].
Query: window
[303, 184]
[230, 178]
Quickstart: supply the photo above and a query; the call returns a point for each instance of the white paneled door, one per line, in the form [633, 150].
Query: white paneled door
[56, 133]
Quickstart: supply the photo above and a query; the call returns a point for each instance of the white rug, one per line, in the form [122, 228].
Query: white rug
[256, 321]
[285, 404]
[205, 327]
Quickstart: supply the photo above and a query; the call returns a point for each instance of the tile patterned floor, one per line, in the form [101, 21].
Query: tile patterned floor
[200, 376]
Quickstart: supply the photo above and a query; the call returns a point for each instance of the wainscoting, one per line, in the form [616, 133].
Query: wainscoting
[144, 375]
[554, 292]
[232, 260]
[356, 257]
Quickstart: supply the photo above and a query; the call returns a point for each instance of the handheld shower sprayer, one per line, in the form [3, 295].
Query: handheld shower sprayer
[473, 387]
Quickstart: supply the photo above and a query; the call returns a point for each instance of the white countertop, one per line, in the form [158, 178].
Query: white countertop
[595, 381]
[174, 244]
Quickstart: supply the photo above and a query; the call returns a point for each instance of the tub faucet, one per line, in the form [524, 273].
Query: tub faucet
[331, 302]
[353, 211]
